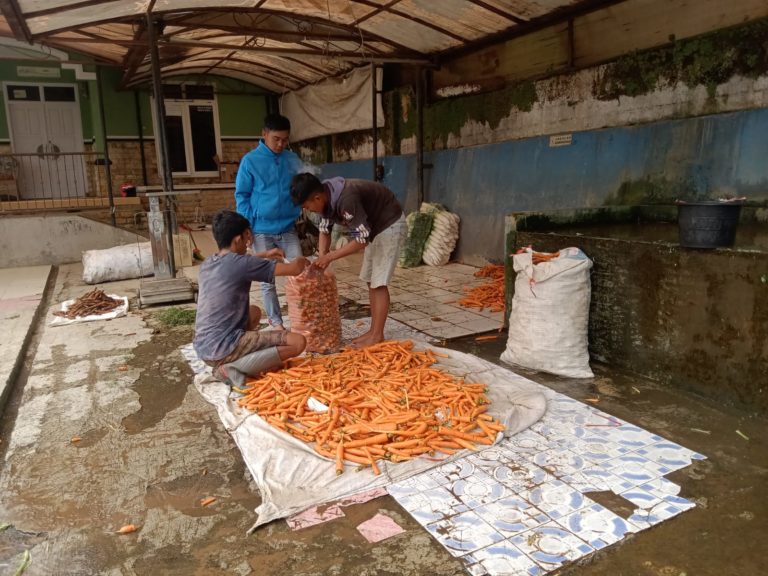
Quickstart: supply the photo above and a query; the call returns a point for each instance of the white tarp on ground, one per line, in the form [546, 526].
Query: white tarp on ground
[121, 310]
[292, 477]
[334, 105]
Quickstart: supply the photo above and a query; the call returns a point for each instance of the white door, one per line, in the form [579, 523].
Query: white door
[46, 134]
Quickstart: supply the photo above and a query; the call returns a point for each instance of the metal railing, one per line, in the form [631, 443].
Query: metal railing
[55, 178]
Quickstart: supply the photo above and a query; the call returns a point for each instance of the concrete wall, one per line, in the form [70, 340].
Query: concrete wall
[657, 162]
[54, 239]
[690, 318]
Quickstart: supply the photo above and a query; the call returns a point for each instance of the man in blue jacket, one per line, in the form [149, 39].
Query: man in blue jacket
[263, 196]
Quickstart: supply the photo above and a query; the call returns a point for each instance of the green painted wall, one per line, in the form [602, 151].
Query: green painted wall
[241, 106]
[85, 91]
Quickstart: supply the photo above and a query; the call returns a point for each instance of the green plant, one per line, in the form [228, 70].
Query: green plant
[175, 316]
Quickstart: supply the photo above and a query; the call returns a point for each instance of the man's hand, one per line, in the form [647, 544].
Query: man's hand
[274, 254]
[323, 261]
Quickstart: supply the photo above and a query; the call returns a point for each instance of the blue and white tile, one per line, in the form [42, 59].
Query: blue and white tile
[635, 469]
[451, 472]
[464, 533]
[668, 492]
[597, 479]
[478, 489]
[432, 505]
[561, 462]
[502, 559]
[597, 526]
[527, 442]
[669, 454]
[556, 499]
[551, 546]
[520, 478]
[630, 436]
[512, 515]
[596, 448]
[494, 456]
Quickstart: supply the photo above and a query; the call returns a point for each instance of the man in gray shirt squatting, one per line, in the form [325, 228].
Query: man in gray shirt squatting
[227, 335]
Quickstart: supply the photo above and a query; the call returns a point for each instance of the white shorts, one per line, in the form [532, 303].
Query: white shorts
[381, 255]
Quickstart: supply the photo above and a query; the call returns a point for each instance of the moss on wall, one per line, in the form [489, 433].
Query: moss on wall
[707, 60]
[448, 116]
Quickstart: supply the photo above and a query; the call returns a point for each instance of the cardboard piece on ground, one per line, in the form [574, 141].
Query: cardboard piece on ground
[313, 516]
[379, 528]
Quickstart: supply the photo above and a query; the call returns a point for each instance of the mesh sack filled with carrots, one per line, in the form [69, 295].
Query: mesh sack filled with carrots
[313, 307]
[385, 402]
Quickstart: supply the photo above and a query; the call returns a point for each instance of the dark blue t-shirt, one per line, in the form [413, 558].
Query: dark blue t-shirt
[223, 301]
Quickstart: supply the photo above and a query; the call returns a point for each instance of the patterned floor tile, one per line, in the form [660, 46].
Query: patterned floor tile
[464, 533]
[502, 559]
[597, 526]
[635, 469]
[669, 454]
[432, 505]
[550, 546]
[556, 499]
[478, 489]
[596, 479]
[521, 478]
[561, 462]
[512, 515]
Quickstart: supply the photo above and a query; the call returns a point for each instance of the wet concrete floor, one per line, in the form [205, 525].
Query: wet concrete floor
[150, 449]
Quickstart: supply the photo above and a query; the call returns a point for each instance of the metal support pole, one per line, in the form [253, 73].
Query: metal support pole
[107, 163]
[161, 138]
[420, 135]
[140, 129]
[374, 112]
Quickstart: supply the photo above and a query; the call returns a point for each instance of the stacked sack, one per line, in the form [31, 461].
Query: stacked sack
[445, 233]
[419, 229]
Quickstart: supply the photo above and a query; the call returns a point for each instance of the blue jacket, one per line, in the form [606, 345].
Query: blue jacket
[263, 189]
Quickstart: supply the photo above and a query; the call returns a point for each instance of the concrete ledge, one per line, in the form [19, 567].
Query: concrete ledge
[22, 298]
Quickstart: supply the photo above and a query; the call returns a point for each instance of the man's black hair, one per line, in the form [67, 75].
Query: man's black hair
[303, 186]
[227, 225]
[276, 122]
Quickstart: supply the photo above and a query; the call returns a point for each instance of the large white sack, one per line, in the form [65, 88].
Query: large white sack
[549, 320]
[118, 263]
[442, 240]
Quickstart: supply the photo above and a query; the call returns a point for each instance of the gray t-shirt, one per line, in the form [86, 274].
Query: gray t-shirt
[223, 301]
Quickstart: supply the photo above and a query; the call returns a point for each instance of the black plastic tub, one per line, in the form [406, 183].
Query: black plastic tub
[707, 224]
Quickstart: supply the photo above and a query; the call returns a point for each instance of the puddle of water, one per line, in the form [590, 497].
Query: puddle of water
[162, 386]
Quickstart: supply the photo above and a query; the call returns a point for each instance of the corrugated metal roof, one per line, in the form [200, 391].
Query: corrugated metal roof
[277, 44]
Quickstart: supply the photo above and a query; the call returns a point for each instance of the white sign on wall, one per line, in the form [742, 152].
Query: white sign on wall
[38, 72]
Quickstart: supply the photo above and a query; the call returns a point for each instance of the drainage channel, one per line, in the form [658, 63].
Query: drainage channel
[9, 405]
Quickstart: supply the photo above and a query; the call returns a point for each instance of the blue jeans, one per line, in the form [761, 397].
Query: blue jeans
[289, 243]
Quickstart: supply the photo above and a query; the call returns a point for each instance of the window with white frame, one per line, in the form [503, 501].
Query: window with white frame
[192, 129]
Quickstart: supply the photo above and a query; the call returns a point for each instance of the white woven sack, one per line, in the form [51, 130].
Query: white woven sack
[442, 240]
[549, 320]
[118, 263]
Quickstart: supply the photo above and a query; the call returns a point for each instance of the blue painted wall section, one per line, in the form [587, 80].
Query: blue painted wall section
[695, 158]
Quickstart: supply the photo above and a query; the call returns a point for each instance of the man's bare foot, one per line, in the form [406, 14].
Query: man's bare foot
[370, 340]
[362, 337]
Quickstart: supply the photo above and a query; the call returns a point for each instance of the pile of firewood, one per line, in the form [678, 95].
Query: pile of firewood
[95, 302]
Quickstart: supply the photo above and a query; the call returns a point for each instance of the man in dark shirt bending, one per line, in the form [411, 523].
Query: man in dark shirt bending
[376, 223]
[227, 335]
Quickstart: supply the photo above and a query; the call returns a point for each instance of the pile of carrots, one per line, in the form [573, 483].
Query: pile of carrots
[384, 402]
[490, 295]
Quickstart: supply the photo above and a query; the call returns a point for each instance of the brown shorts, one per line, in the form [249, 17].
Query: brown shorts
[252, 341]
